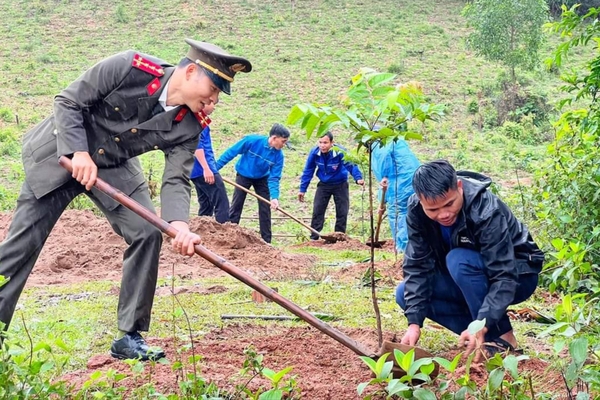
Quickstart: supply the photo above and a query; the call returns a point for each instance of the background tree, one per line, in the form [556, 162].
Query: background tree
[507, 31]
[374, 112]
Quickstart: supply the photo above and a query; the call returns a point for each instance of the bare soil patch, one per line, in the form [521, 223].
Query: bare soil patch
[325, 370]
[83, 247]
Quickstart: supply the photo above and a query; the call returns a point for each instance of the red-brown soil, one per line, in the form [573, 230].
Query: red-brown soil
[323, 369]
[83, 247]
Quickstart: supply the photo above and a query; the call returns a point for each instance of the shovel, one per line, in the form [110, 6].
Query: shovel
[376, 242]
[242, 276]
[327, 238]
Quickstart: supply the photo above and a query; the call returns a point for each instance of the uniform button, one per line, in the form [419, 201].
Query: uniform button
[133, 130]
[117, 109]
[117, 140]
[55, 132]
[155, 147]
[100, 151]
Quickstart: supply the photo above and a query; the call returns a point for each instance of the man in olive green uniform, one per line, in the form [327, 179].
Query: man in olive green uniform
[125, 105]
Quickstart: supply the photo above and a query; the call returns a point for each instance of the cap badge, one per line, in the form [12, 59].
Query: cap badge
[237, 67]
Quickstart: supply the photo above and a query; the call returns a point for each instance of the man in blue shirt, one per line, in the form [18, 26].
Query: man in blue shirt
[210, 188]
[332, 172]
[393, 166]
[260, 166]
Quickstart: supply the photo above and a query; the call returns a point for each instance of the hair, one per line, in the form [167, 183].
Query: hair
[184, 62]
[434, 179]
[280, 131]
[328, 134]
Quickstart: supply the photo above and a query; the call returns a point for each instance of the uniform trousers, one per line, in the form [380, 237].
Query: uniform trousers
[31, 225]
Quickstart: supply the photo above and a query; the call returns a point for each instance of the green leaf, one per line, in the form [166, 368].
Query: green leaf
[273, 394]
[382, 91]
[495, 380]
[395, 386]
[412, 136]
[510, 363]
[427, 369]
[449, 366]
[371, 363]
[380, 79]
[416, 366]
[361, 387]
[476, 326]
[61, 345]
[47, 366]
[386, 370]
[381, 363]
[407, 360]
[552, 328]
[295, 115]
[424, 394]
[567, 305]
[42, 346]
[578, 349]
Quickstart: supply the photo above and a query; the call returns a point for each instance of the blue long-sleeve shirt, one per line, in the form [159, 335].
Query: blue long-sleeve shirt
[205, 143]
[331, 167]
[258, 160]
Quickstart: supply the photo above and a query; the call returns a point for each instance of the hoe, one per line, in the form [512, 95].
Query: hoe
[245, 278]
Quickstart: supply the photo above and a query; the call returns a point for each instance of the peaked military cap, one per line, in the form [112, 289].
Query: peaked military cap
[220, 66]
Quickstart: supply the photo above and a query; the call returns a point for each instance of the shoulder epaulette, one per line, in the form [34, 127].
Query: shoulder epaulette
[202, 118]
[148, 66]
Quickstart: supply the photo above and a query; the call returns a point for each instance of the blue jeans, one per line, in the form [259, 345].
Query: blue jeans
[457, 298]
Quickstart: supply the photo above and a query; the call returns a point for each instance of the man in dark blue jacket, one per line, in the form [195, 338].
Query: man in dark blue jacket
[210, 188]
[260, 166]
[332, 172]
[468, 258]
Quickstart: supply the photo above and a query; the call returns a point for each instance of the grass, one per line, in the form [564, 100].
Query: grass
[307, 53]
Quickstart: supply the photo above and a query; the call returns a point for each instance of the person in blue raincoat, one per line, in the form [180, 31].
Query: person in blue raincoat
[393, 166]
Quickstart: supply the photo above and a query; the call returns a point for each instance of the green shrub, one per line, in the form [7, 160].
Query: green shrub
[6, 115]
[473, 107]
[395, 68]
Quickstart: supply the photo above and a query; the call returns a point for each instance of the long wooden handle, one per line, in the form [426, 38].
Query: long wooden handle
[380, 213]
[310, 228]
[226, 266]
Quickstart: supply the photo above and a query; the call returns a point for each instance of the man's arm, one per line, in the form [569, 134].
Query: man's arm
[275, 177]
[209, 177]
[418, 269]
[307, 174]
[354, 171]
[498, 255]
[232, 152]
[175, 190]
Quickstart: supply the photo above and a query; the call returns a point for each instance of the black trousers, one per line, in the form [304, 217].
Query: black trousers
[212, 198]
[341, 198]
[261, 187]
[33, 221]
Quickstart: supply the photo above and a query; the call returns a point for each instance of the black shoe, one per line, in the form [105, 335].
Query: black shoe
[132, 346]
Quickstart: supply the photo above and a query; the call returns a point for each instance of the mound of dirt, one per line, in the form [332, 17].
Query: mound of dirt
[83, 247]
[324, 368]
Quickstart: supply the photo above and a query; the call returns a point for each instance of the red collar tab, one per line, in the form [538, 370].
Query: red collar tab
[181, 114]
[203, 119]
[148, 66]
[153, 86]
